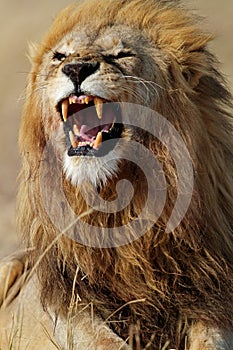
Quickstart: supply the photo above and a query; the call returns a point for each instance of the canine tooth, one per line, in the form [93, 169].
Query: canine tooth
[87, 99]
[112, 126]
[76, 130]
[98, 140]
[98, 106]
[64, 108]
[73, 141]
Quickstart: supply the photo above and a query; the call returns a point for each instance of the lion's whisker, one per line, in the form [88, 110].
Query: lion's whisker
[131, 92]
[145, 83]
[140, 80]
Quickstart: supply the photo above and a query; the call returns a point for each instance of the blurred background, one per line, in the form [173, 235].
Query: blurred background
[25, 21]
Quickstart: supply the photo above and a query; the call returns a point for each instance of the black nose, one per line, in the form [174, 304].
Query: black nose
[78, 72]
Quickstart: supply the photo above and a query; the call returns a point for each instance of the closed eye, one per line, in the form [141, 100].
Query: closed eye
[121, 54]
[59, 56]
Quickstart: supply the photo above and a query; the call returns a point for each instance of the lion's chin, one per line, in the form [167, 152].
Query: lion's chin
[97, 171]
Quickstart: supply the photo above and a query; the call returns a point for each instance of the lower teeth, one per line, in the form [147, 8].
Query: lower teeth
[73, 140]
[76, 130]
[75, 143]
[98, 140]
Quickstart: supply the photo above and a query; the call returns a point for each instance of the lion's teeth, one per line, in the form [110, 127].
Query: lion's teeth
[73, 99]
[76, 130]
[73, 140]
[84, 100]
[64, 108]
[98, 106]
[98, 140]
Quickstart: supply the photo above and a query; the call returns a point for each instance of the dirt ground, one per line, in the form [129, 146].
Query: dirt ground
[25, 21]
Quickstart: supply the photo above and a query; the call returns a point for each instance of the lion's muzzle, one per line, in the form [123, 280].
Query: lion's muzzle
[79, 71]
[90, 121]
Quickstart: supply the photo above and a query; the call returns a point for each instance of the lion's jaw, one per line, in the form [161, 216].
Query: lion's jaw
[95, 170]
[86, 78]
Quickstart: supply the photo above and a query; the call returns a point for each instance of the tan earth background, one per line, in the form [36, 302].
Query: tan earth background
[25, 21]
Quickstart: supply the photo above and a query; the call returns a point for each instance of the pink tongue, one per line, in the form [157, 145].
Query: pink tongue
[86, 117]
[87, 133]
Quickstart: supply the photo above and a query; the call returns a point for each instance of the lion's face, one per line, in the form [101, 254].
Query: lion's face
[85, 76]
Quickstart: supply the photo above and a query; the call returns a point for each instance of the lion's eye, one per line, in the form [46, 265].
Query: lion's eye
[121, 54]
[124, 55]
[59, 56]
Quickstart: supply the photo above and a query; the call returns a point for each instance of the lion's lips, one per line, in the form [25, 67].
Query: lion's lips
[88, 122]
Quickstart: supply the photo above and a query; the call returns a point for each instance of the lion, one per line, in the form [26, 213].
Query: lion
[97, 279]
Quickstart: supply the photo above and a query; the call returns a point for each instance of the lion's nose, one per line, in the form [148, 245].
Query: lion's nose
[79, 71]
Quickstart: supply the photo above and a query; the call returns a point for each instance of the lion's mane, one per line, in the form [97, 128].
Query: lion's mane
[182, 276]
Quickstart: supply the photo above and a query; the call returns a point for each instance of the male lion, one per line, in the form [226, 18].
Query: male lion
[109, 273]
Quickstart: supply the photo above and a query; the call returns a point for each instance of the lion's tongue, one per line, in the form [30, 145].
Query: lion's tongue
[89, 125]
[86, 128]
[87, 133]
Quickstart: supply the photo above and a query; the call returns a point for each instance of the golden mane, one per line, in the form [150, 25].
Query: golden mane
[182, 276]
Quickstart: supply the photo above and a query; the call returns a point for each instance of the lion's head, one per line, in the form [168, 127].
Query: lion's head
[98, 56]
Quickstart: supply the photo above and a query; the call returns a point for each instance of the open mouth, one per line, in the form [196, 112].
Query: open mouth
[88, 122]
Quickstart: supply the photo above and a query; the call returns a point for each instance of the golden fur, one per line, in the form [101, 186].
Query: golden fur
[178, 278]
